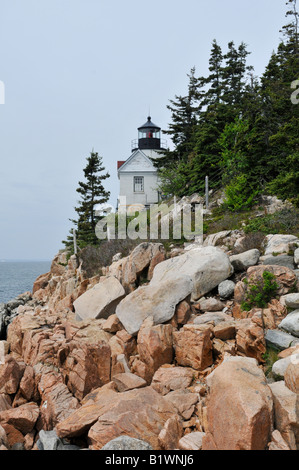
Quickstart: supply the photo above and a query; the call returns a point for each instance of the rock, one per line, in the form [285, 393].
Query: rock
[101, 300]
[119, 365]
[291, 323]
[112, 324]
[85, 366]
[126, 443]
[171, 433]
[128, 381]
[123, 343]
[296, 256]
[225, 330]
[27, 385]
[5, 402]
[216, 238]
[273, 314]
[282, 260]
[144, 257]
[280, 340]
[192, 441]
[210, 305]
[41, 282]
[195, 272]
[250, 339]
[116, 257]
[140, 414]
[68, 447]
[18, 446]
[239, 407]
[3, 438]
[4, 348]
[226, 289]
[169, 378]
[291, 376]
[206, 266]
[221, 347]
[243, 261]
[277, 442]
[288, 352]
[286, 413]
[182, 312]
[211, 317]
[22, 418]
[193, 347]
[280, 244]
[279, 367]
[80, 421]
[57, 402]
[155, 346]
[14, 437]
[290, 300]
[139, 264]
[11, 373]
[158, 301]
[184, 401]
[48, 440]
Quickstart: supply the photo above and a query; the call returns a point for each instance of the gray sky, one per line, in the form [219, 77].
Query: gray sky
[82, 74]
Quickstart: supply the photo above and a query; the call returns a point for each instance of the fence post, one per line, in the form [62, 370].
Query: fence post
[207, 192]
[75, 242]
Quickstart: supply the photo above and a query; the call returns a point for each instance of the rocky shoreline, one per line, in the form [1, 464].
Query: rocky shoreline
[157, 352]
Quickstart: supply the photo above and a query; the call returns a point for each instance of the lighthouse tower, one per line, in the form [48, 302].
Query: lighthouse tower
[138, 180]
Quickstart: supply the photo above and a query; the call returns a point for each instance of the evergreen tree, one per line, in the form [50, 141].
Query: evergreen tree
[234, 76]
[225, 101]
[282, 70]
[214, 80]
[92, 193]
[184, 112]
[239, 130]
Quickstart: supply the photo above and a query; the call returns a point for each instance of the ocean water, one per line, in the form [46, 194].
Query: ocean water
[17, 277]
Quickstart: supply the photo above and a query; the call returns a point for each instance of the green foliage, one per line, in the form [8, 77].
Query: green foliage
[270, 357]
[239, 194]
[284, 221]
[92, 193]
[260, 294]
[240, 130]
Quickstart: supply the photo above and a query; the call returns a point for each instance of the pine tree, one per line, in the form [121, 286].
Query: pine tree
[214, 80]
[184, 113]
[92, 193]
[282, 70]
[225, 101]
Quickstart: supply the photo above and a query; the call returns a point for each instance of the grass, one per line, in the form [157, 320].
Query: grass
[270, 357]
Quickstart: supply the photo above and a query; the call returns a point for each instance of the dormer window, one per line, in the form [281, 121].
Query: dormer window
[138, 184]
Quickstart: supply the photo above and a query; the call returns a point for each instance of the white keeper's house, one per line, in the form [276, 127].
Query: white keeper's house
[137, 175]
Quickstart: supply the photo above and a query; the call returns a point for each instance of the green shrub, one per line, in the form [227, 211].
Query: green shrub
[239, 194]
[260, 294]
[284, 221]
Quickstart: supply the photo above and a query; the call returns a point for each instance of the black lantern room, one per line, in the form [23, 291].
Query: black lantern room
[149, 136]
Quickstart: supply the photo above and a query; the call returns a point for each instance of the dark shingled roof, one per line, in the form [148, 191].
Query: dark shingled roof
[149, 124]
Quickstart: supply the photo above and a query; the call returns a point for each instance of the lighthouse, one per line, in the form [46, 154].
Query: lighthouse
[138, 179]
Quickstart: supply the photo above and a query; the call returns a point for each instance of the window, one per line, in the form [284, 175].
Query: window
[138, 184]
